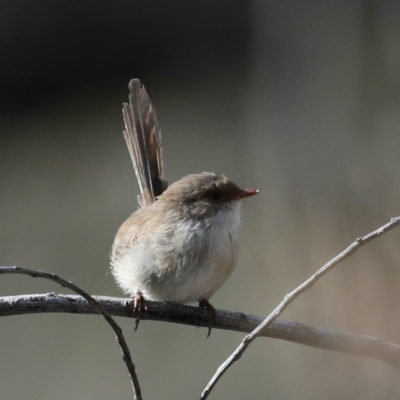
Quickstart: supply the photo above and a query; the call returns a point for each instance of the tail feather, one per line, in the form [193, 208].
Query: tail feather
[143, 138]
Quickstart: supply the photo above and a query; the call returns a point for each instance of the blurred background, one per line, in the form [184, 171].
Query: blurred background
[298, 99]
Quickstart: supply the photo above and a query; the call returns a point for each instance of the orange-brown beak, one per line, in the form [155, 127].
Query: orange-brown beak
[246, 193]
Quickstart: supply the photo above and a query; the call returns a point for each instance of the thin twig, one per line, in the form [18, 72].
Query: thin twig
[235, 356]
[126, 355]
[346, 342]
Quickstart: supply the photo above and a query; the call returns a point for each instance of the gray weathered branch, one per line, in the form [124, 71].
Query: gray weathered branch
[290, 297]
[346, 342]
[126, 355]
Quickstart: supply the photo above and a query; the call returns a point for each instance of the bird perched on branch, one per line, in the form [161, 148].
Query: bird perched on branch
[182, 243]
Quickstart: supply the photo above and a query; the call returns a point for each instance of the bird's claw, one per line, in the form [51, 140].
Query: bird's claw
[212, 316]
[139, 307]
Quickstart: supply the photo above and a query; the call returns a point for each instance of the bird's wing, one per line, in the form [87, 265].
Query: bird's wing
[143, 137]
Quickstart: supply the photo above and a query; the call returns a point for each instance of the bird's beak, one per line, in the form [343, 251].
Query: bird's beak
[246, 193]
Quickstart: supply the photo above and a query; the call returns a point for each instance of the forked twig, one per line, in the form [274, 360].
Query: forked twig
[126, 355]
[235, 356]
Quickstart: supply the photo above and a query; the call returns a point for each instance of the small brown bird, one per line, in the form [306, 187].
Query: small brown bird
[182, 243]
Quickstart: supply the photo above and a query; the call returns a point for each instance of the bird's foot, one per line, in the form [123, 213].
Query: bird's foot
[212, 316]
[139, 307]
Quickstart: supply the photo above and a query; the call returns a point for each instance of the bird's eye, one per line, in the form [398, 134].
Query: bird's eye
[215, 195]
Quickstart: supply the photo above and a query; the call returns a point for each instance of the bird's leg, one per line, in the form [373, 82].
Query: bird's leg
[139, 307]
[212, 316]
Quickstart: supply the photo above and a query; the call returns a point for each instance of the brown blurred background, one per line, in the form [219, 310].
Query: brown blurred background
[299, 99]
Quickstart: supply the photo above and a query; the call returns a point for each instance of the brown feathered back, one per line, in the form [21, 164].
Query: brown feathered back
[143, 137]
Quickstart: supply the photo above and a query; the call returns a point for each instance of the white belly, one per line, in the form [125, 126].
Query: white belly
[183, 265]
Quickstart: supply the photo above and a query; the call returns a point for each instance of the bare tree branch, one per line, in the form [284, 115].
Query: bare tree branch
[170, 312]
[235, 356]
[176, 313]
[126, 356]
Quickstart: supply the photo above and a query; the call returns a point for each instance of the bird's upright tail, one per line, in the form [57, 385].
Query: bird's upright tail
[143, 137]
